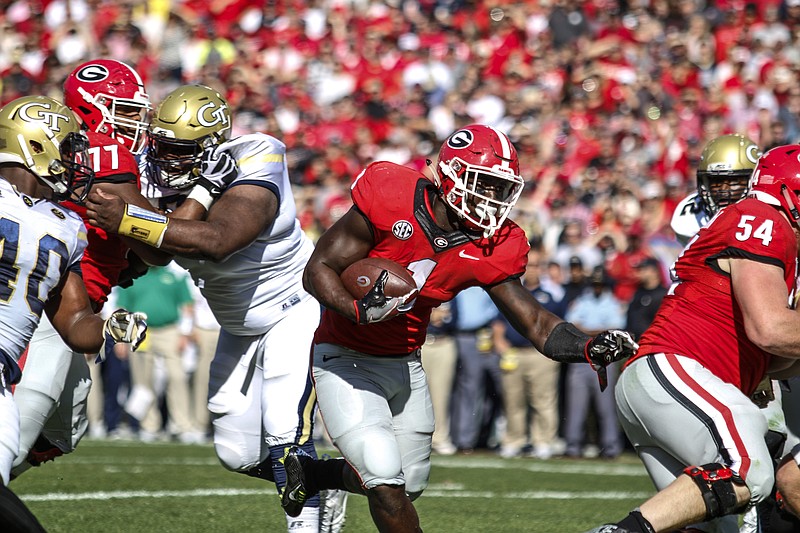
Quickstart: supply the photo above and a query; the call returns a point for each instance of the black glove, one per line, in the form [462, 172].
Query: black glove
[375, 306]
[217, 170]
[606, 348]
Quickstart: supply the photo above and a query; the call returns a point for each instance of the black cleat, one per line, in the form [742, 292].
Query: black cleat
[296, 491]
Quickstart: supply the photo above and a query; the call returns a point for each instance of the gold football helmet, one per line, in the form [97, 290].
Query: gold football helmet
[190, 119]
[724, 170]
[44, 136]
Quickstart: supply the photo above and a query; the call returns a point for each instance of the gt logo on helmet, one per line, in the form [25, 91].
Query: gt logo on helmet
[460, 139]
[37, 112]
[752, 153]
[92, 73]
[217, 116]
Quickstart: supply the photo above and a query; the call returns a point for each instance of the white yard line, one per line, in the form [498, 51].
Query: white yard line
[440, 491]
[555, 466]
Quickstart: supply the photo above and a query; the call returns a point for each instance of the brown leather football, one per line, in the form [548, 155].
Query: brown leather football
[359, 277]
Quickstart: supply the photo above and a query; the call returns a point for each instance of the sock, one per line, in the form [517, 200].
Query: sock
[262, 470]
[636, 523]
[306, 522]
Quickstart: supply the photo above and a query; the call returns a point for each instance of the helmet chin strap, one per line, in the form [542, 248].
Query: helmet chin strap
[486, 211]
[791, 203]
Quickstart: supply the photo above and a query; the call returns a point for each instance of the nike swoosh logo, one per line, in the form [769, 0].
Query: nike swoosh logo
[293, 495]
[326, 358]
[465, 255]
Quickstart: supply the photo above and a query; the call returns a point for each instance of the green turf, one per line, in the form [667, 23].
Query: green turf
[131, 487]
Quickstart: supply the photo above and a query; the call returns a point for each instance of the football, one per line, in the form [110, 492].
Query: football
[359, 277]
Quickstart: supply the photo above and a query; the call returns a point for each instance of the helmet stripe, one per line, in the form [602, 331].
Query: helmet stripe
[135, 74]
[505, 144]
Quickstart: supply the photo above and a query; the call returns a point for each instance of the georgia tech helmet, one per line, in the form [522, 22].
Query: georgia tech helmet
[478, 172]
[189, 119]
[724, 170]
[44, 136]
[776, 180]
[110, 98]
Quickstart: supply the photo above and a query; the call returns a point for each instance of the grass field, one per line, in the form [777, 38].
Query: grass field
[132, 487]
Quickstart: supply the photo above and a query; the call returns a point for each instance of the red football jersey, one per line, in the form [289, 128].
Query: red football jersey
[104, 257]
[397, 202]
[699, 318]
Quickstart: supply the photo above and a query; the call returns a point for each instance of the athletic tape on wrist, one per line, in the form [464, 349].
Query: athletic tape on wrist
[143, 225]
[202, 196]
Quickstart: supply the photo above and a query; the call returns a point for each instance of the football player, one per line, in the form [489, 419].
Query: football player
[727, 321]
[722, 175]
[726, 164]
[247, 256]
[110, 98]
[110, 102]
[371, 387]
[42, 158]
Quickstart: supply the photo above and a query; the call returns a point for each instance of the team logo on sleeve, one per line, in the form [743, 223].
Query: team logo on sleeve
[58, 213]
[402, 229]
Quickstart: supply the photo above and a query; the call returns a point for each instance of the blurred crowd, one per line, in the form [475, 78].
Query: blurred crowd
[608, 102]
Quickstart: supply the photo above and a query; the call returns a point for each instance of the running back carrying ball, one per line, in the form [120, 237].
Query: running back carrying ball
[359, 277]
[381, 288]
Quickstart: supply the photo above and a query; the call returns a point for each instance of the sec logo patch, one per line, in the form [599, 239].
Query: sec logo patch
[402, 229]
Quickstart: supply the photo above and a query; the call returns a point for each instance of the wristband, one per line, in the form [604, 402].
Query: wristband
[143, 225]
[202, 196]
[566, 344]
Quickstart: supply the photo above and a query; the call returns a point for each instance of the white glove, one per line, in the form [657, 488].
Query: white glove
[124, 326]
[218, 169]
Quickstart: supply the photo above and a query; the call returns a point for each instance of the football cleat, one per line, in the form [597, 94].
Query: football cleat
[332, 507]
[296, 492]
[43, 450]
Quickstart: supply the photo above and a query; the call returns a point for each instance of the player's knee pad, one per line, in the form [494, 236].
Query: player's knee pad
[417, 476]
[35, 407]
[231, 458]
[716, 484]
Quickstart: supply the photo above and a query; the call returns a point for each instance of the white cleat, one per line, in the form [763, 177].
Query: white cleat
[332, 506]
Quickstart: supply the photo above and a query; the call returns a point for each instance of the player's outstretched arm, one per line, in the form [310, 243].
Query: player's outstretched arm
[233, 222]
[555, 338]
[129, 192]
[71, 314]
[525, 313]
[344, 243]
